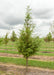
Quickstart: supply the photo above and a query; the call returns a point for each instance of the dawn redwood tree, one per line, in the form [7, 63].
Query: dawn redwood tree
[13, 37]
[27, 45]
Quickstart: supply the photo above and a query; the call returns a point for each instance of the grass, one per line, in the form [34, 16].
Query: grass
[21, 61]
[6, 51]
[10, 45]
[11, 48]
[47, 50]
[16, 52]
[44, 54]
[2, 72]
[47, 44]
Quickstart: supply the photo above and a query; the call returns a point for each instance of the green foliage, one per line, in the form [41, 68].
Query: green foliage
[45, 46]
[6, 39]
[27, 45]
[13, 37]
[49, 37]
[8, 51]
[28, 48]
[1, 40]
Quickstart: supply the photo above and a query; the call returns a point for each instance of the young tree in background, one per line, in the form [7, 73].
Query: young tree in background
[6, 39]
[13, 37]
[27, 45]
[1, 40]
[49, 37]
[52, 29]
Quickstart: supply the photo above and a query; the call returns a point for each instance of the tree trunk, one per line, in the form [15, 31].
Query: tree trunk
[26, 66]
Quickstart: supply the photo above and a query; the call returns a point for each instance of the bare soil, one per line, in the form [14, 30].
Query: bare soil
[46, 52]
[20, 70]
[10, 69]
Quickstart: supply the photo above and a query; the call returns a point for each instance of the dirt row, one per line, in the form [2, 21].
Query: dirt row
[20, 70]
[35, 57]
[11, 69]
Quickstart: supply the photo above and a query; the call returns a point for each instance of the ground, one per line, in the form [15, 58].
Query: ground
[46, 53]
[10, 69]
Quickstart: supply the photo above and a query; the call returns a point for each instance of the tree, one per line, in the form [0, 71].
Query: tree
[49, 37]
[27, 45]
[52, 29]
[13, 37]
[1, 40]
[6, 39]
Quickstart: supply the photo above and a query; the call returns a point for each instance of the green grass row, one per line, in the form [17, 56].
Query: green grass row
[43, 44]
[47, 50]
[22, 61]
[6, 51]
[8, 48]
[38, 53]
[13, 47]
[47, 47]
[44, 54]
[40, 49]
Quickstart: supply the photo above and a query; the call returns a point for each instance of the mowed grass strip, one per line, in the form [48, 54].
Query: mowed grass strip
[22, 61]
[7, 51]
[44, 54]
[16, 52]
[7, 48]
[46, 50]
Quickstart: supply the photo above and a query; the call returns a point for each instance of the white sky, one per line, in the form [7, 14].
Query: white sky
[12, 14]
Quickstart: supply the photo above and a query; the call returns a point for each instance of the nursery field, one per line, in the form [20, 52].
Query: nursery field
[46, 48]
[44, 58]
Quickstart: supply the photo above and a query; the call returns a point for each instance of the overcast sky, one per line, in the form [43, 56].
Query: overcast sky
[12, 14]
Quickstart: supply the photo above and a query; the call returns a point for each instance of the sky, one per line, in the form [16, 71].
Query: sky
[12, 14]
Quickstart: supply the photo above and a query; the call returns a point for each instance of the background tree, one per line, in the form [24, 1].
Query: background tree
[52, 29]
[13, 37]
[27, 45]
[6, 39]
[49, 37]
[1, 40]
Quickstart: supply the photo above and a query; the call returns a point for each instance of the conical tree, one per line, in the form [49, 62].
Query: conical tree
[27, 45]
[1, 41]
[13, 37]
[49, 37]
[6, 39]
